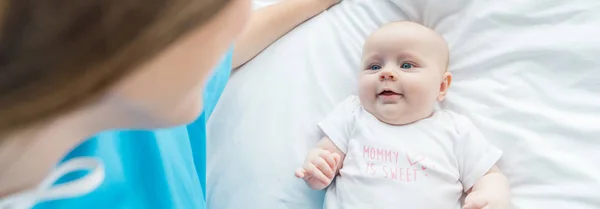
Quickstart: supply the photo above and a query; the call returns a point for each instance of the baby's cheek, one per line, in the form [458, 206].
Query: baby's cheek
[365, 96]
[421, 93]
[366, 92]
[366, 87]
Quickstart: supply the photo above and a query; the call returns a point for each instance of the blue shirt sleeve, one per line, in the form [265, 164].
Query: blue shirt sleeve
[151, 169]
[197, 130]
[216, 85]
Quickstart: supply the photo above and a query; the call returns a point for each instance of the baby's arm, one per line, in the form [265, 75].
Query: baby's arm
[323, 162]
[321, 165]
[491, 191]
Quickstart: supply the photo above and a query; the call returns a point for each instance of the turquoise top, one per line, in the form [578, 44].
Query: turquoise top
[151, 169]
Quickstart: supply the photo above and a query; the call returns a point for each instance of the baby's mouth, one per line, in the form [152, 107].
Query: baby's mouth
[388, 93]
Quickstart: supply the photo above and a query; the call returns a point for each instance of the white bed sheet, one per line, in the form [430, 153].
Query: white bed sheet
[526, 72]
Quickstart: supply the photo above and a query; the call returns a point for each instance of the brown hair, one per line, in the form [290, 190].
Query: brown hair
[56, 56]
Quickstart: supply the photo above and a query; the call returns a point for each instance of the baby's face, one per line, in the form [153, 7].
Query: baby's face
[403, 73]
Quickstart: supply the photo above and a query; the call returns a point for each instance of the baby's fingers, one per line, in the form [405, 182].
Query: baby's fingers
[329, 158]
[474, 201]
[337, 158]
[324, 166]
[313, 172]
[470, 206]
[300, 173]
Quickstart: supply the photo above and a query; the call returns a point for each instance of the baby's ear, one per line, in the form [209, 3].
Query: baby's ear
[444, 86]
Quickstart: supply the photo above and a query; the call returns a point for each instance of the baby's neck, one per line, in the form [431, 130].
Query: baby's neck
[406, 121]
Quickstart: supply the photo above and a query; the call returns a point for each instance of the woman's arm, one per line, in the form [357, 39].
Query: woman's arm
[268, 24]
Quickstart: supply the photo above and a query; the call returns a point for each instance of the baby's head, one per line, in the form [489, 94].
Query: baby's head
[404, 72]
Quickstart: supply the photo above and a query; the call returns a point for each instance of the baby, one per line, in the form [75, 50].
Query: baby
[390, 148]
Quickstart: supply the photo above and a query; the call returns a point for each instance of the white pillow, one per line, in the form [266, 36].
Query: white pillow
[526, 72]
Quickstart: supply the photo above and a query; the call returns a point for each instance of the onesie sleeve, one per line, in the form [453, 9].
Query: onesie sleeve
[339, 124]
[475, 155]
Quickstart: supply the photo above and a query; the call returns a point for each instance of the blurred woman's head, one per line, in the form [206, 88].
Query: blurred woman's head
[144, 59]
[71, 68]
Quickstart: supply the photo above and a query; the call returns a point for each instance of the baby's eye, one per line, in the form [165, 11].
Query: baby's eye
[406, 65]
[375, 67]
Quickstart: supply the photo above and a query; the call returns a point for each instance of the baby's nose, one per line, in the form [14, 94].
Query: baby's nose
[387, 75]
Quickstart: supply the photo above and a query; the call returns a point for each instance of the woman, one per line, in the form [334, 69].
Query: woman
[71, 69]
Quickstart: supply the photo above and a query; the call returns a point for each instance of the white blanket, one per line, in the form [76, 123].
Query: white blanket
[526, 72]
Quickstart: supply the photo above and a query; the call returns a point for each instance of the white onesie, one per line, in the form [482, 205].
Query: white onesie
[424, 165]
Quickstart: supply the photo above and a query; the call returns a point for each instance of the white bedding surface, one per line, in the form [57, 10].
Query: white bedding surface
[526, 72]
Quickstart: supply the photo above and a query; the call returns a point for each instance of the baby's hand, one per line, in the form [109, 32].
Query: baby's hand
[319, 169]
[476, 200]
